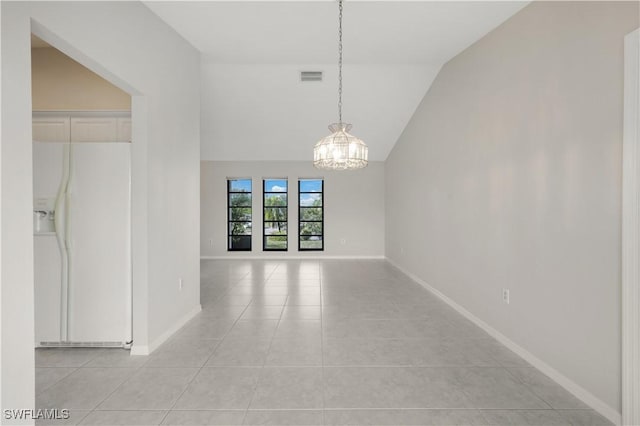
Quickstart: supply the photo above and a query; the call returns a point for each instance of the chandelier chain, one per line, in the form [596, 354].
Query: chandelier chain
[340, 150]
[340, 62]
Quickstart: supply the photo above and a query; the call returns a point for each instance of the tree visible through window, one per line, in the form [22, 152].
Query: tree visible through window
[275, 214]
[311, 214]
[239, 214]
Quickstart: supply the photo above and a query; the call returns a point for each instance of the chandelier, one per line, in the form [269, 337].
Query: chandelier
[340, 150]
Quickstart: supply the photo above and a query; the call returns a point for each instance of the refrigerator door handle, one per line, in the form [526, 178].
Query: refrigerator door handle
[60, 222]
[68, 238]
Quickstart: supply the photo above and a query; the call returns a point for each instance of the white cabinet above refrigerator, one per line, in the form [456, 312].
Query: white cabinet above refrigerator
[51, 129]
[81, 126]
[94, 129]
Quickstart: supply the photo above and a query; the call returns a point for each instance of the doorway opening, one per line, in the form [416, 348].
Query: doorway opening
[82, 175]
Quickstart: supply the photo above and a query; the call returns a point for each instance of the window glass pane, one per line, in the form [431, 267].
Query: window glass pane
[240, 243]
[275, 242]
[311, 185]
[275, 185]
[275, 228]
[275, 200]
[275, 214]
[311, 243]
[310, 200]
[240, 185]
[240, 199]
[240, 213]
[239, 228]
[310, 228]
[312, 213]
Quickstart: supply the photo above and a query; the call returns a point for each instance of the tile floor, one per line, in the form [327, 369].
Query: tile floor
[309, 343]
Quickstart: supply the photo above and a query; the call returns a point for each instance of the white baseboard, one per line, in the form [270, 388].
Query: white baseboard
[139, 350]
[147, 349]
[578, 391]
[296, 257]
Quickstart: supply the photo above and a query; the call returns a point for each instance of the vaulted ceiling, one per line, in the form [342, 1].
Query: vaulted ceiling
[254, 106]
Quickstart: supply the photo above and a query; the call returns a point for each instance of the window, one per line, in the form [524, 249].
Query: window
[239, 211]
[275, 215]
[311, 214]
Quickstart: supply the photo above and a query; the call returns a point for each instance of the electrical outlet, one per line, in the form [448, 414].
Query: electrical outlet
[505, 295]
[401, 250]
[343, 241]
[180, 284]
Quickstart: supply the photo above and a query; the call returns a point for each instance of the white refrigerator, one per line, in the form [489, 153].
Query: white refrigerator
[82, 243]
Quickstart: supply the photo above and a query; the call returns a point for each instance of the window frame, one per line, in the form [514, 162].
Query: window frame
[230, 220]
[264, 215]
[301, 208]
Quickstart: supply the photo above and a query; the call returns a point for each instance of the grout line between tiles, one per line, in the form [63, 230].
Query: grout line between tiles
[324, 403]
[39, 391]
[205, 363]
[264, 362]
[111, 393]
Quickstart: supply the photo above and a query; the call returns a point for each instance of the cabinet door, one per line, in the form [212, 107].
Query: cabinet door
[124, 130]
[51, 129]
[98, 129]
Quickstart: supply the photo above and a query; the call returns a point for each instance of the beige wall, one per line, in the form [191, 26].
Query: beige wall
[354, 207]
[60, 83]
[509, 176]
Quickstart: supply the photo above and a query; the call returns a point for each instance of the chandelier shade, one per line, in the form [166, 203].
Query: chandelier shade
[340, 150]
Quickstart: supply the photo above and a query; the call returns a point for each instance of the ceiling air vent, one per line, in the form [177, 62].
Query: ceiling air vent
[310, 75]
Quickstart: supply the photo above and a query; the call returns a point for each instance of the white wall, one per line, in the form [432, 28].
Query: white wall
[16, 372]
[510, 176]
[127, 44]
[244, 103]
[353, 207]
